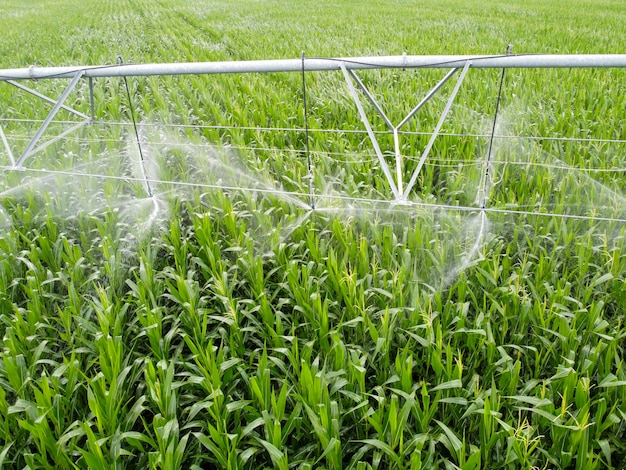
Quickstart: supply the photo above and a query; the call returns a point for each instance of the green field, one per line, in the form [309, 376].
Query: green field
[221, 323]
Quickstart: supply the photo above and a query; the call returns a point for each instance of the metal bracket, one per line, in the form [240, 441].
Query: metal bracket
[397, 187]
[58, 105]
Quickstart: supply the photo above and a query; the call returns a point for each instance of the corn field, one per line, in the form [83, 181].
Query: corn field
[215, 320]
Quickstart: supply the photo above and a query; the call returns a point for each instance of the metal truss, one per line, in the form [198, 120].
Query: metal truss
[31, 148]
[400, 191]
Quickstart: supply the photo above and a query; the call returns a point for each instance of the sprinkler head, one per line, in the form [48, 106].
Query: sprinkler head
[401, 201]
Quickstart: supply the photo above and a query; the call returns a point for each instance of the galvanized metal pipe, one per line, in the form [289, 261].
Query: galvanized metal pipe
[321, 64]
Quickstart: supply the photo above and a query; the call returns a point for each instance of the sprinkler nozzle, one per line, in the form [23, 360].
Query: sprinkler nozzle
[401, 201]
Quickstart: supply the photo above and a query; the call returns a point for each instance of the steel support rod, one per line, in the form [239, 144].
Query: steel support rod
[59, 137]
[372, 100]
[401, 196]
[396, 145]
[7, 146]
[46, 98]
[320, 64]
[436, 131]
[370, 132]
[48, 119]
[428, 97]
[91, 100]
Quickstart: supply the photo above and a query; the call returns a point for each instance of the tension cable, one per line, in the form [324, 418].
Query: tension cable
[483, 203]
[120, 61]
[306, 137]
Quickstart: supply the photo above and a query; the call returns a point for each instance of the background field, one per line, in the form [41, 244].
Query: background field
[222, 324]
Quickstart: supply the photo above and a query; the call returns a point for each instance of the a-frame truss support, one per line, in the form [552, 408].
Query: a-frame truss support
[399, 191]
[58, 104]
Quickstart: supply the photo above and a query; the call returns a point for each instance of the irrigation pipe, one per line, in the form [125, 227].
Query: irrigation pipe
[322, 64]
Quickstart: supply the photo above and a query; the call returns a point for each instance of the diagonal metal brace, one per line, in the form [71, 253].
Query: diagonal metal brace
[401, 194]
[427, 98]
[7, 146]
[46, 98]
[370, 132]
[372, 99]
[435, 133]
[59, 137]
[59, 104]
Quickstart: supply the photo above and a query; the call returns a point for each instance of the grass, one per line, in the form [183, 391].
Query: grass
[240, 330]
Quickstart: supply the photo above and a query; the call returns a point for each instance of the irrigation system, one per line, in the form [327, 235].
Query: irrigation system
[457, 65]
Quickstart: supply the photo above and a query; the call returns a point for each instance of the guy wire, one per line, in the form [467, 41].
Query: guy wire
[483, 203]
[120, 61]
[306, 136]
